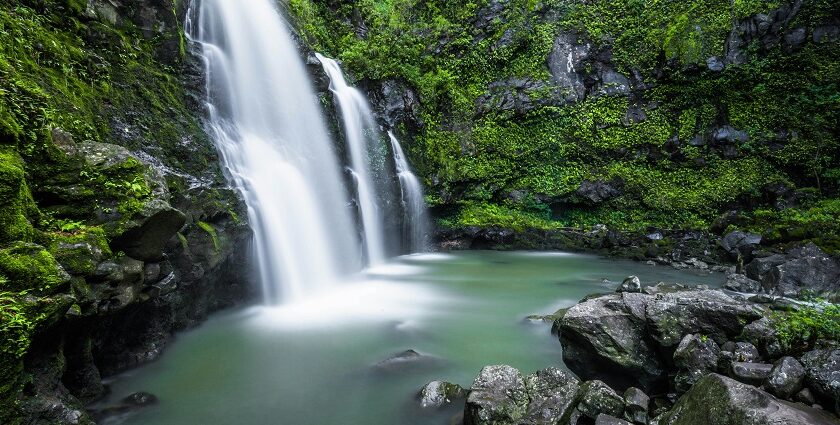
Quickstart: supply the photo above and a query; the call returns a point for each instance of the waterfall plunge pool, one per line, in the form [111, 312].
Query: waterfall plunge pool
[314, 363]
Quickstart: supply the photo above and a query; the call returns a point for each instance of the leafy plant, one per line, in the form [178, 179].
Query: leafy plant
[799, 330]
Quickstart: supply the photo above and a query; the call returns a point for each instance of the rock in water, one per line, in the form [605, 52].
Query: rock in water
[786, 378]
[498, 396]
[404, 360]
[631, 284]
[718, 400]
[439, 393]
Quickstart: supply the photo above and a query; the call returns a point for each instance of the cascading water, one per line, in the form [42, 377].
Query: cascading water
[265, 119]
[361, 135]
[416, 224]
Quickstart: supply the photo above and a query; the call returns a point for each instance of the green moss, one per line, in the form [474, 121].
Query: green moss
[799, 330]
[30, 267]
[16, 205]
[207, 227]
[79, 252]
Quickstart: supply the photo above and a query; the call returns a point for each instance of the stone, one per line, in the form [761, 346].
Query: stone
[805, 396]
[553, 396]
[801, 271]
[715, 64]
[140, 399]
[695, 356]
[437, 394]
[741, 283]
[786, 378]
[723, 401]
[740, 243]
[606, 338]
[762, 335]
[597, 398]
[636, 404]
[603, 419]
[599, 191]
[631, 284]
[405, 360]
[822, 368]
[497, 396]
[751, 373]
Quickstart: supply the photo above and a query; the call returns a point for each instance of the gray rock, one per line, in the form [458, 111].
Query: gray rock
[822, 368]
[405, 360]
[631, 284]
[805, 396]
[741, 283]
[762, 335]
[437, 394]
[696, 356]
[786, 378]
[597, 398]
[802, 271]
[719, 400]
[715, 64]
[636, 404]
[751, 373]
[553, 396]
[603, 419]
[599, 191]
[741, 243]
[498, 396]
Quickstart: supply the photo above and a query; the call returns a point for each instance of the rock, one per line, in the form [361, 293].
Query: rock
[140, 399]
[437, 394]
[597, 398]
[741, 283]
[715, 64]
[631, 284]
[802, 271]
[805, 396]
[719, 400]
[404, 360]
[751, 373]
[497, 396]
[696, 356]
[553, 395]
[822, 368]
[762, 335]
[603, 419]
[599, 191]
[740, 243]
[636, 404]
[786, 378]
[606, 338]
[733, 352]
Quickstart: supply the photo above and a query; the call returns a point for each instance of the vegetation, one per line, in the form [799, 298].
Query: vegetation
[800, 329]
[673, 173]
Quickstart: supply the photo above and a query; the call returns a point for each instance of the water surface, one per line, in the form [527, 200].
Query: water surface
[314, 363]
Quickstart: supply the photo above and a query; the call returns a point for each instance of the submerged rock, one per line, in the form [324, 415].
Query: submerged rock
[404, 360]
[720, 400]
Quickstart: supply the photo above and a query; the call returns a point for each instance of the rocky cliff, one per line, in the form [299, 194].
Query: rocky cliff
[117, 227]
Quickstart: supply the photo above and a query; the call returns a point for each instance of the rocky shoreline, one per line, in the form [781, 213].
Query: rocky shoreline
[672, 354]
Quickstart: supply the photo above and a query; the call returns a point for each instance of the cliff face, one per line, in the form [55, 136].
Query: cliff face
[704, 115]
[117, 227]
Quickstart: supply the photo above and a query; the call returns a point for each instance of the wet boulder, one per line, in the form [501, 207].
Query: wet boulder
[740, 243]
[741, 283]
[553, 396]
[724, 401]
[630, 284]
[437, 394]
[786, 378]
[750, 373]
[606, 338]
[803, 270]
[696, 356]
[636, 404]
[597, 398]
[822, 368]
[603, 419]
[498, 396]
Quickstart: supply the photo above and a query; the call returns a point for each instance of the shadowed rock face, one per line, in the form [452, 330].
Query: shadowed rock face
[720, 400]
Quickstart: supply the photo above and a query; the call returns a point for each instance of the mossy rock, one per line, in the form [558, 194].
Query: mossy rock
[16, 205]
[28, 266]
[80, 252]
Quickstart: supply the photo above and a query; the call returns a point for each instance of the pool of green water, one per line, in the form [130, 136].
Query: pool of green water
[314, 363]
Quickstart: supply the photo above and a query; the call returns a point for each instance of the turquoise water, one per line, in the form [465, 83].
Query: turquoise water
[314, 363]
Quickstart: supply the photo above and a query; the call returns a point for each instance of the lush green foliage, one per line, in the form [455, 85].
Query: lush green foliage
[475, 160]
[800, 329]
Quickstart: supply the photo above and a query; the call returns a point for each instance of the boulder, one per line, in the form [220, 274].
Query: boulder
[751, 373]
[718, 400]
[762, 335]
[599, 191]
[786, 378]
[603, 419]
[741, 283]
[822, 368]
[606, 338]
[437, 394]
[740, 243]
[498, 396]
[553, 395]
[636, 404]
[597, 398]
[696, 356]
[802, 271]
[631, 284]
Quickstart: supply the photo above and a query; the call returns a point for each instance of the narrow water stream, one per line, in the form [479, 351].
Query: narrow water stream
[314, 363]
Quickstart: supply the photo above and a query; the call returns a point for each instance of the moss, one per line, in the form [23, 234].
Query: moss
[16, 205]
[211, 231]
[799, 330]
[79, 252]
[30, 267]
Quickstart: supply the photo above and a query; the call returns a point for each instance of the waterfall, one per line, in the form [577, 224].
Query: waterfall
[415, 220]
[267, 125]
[362, 135]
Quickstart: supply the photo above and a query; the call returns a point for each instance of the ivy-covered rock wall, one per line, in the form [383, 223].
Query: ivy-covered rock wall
[117, 226]
[630, 113]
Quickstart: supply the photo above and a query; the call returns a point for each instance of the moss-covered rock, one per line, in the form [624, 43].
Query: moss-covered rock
[30, 267]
